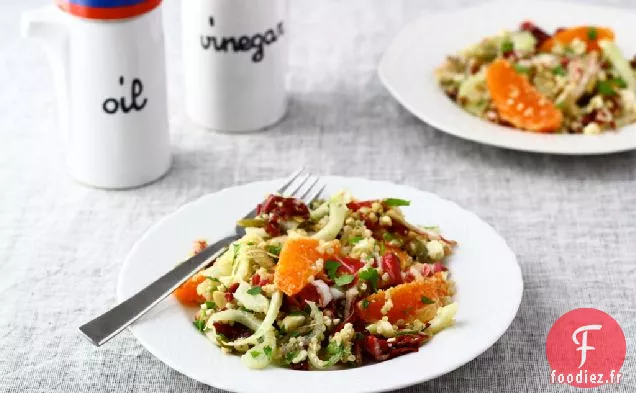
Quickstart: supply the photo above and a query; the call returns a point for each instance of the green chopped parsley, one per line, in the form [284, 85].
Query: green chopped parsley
[268, 351]
[559, 70]
[507, 46]
[210, 305]
[235, 249]
[605, 88]
[289, 356]
[344, 279]
[620, 82]
[254, 290]
[355, 239]
[364, 304]
[426, 300]
[371, 276]
[331, 267]
[396, 202]
[521, 69]
[592, 33]
[274, 250]
[200, 325]
[255, 354]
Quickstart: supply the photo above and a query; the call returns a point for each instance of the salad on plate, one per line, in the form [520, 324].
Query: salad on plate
[337, 283]
[575, 80]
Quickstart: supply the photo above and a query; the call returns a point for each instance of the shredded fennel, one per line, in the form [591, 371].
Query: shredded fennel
[337, 214]
[259, 331]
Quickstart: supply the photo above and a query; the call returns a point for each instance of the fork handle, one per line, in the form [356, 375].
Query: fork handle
[113, 321]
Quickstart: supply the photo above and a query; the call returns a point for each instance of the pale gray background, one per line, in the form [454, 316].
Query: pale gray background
[571, 220]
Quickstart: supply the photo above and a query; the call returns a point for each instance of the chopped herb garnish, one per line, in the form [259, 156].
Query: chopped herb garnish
[289, 356]
[235, 249]
[605, 88]
[620, 82]
[388, 236]
[382, 248]
[268, 351]
[406, 332]
[355, 239]
[261, 339]
[521, 69]
[592, 33]
[222, 337]
[274, 250]
[364, 304]
[371, 276]
[214, 279]
[210, 305]
[254, 291]
[199, 324]
[426, 300]
[507, 46]
[344, 279]
[251, 243]
[295, 334]
[396, 202]
[295, 313]
[331, 267]
[559, 70]
[243, 308]
[255, 354]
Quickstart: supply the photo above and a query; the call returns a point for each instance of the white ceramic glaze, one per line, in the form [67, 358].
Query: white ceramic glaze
[489, 290]
[111, 85]
[407, 70]
[235, 61]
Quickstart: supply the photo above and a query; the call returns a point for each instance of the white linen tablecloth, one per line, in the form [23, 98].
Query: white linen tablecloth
[570, 220]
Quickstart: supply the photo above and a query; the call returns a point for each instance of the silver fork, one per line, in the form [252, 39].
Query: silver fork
[113, 321]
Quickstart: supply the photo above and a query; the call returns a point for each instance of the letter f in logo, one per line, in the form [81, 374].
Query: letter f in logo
[584, 347]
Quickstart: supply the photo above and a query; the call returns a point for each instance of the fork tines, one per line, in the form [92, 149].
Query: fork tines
[301, 186]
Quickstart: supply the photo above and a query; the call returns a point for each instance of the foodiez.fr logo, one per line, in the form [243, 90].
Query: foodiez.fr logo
[585, 348]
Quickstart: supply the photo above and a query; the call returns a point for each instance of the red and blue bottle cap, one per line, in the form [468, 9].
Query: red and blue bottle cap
[107, 9]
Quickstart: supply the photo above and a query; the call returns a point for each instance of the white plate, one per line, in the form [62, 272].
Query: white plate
[407, 70]
[488, 278]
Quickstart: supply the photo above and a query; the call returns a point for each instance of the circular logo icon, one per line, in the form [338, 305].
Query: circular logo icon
[585, 348]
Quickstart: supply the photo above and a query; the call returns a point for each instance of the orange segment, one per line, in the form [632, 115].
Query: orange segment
[187, 292]
[407, 301]
[518, 102]
[589, 34]
[296, 264]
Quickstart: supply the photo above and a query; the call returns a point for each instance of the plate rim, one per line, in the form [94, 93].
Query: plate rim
[495, 336]
[385, 76]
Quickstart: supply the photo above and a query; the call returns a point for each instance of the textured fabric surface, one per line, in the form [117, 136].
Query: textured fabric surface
[570, 220]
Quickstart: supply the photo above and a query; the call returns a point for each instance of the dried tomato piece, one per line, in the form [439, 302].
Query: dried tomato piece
[378, 348]
[355, 206]
[229, 294]
[232, 332]
[308, 293]
[301, 366]
[381, 349]
[349, 265]
[438, 267]
[391, 266]
[539, 34]
[281, 209]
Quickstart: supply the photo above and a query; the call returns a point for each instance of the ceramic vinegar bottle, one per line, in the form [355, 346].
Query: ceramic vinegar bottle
[108, 66]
